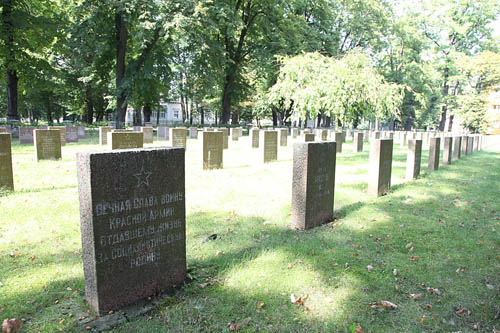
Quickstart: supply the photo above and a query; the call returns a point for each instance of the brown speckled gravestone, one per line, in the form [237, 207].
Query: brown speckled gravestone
[447, 150]
[225, 137]
[162, 133]
[122, 139]
[103, 134]
[6, 176]
[254, 133]
[179, 137]
[133, 218]
[434, 150]
[148, 134]
[313, 184]
[212, 150]
[413, 159]
[357, 144]
[81, 132]
[380, 167]
[309, 137]
[283, 137]
[457, 147]
[270, 146]
[26, 135]
[71, 134]
[62, 133]
[47, 144]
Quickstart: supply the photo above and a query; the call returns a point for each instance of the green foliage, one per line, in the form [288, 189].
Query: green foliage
[472, 110]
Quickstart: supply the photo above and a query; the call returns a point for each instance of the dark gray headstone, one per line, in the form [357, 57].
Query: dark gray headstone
[133, 217]
[380, 167]
[71, 134]
[270, 146]
[26, 135]
[457, 145]
[47, 144]
[434, 150]
[213, 148]
[81, 132]
[357, 144]
[6, 175]
[120, 139]
[309, 137]
[447, 150]
[414, 159]
[103, 134]
[254, 133]
[313, 184]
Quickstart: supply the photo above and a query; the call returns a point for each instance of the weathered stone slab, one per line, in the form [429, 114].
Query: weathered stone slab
[307, 131]
[26, 135]
[103, 134]
[3, 130]
[338, 140]
[470, 144]
[213, 148]
[6, 175]
[81, 132]
[434, 150]
[148, 134]
[235, 134]
[447, 150]
[357, 143]
[313, 184]
[283, 137]
[295, 133]
[380, 167]
[136, 128]
[457, 144]
[270, 146]
[47, 144]
[133, 216]
[179, 137]
[193, 132]
[209, 129]
[366, 136]
[476, 143]
[463, 148]
[343, 136]
[254, 133]
[122, 139]
[403, 139]
[375, 135]
[162, 133]
[225, 137]
[71, 134]
[413, 159]
[309, 137]
[62, 133]
[323, 134]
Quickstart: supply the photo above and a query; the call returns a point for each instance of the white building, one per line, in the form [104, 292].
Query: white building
[170, 113]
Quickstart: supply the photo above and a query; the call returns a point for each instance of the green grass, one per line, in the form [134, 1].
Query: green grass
[449, 219]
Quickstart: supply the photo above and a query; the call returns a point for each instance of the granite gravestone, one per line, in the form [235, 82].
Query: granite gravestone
[47, 144]
[162, 133]
[103, 134]
[413, 159]
[3, 130]
[225, 137]
[470, 144]
[375, 135]
[295, 133]
[323, 134]
[270, 146]
[307, 131]
[122, 139]
[447, 150]
[179, 137]
[133, 217]
[476, 143]
[6, 176]
[434, 150]
[283, 137]
[309, 137]
[81, 132]
[313, 184]
[148, 134]
[358, 142]
[254, 132]
[380, 167]
[457, 144]
[338, 141]
[210, 129]
[212, 150]
[62, 133]
[71, 134]
[26, 135]
[193, 132]
[235, 134]
[463, 148]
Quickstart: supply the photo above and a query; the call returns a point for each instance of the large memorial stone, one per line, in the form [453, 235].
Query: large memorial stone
[103, 134]
[463, 148]
[148, 134]
[270, 146]
[457, 144]
[380, 167]
[413, 159]
[6, 175]
[133, 224]
[447, 150]
[313, 184]
[213, 150]
[179, 137]
[338, 141]
[225, 137]
[283, 136]
[357, 144]
[434, 150]
[295, 133]
[71, 134]
[62, 133]
[254, 133]
[26, 135]
[193, 132]
[309, 137]
[47, 144]
[81, 132]
[162, 133]
[122, 139]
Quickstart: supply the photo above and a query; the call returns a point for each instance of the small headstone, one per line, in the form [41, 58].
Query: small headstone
[476, 143]
[71, 134]
[255, 132]
[323, 134]
[133, 218]
[295, 133]
[457, 144]
[413, 159]
[6, 175]
[270, 146]
[136, 128]
[225, 137]
[447, 150]
[434, 150]
[26, 135]
[375, 135]
[380, 167]
[47, 144]
[213, 150]
[343, 136]
[463, 148]
[283, 137]
[313, 184]
[358, 142]
[62, 133]
[338, 141]
[179, 137]
[235, 134]
[162, 133]
[193, 132]
[81, 132]
[209, 129]
[120, 139]
[306, 131]
[3, 130]
[309, 137]
[103, 134]
[366, 136]
[148, 134]
[470, 145]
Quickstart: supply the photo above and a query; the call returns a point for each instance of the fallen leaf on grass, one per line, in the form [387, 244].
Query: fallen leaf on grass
[417, 296]
[234, 327]
[260, 305]
[434, 291]
[383, 305]
[358, 329]
[11, 325]
[421, 320]
[463, 312]
[414, 257]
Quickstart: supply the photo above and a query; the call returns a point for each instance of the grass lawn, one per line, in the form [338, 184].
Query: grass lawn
[441, 233]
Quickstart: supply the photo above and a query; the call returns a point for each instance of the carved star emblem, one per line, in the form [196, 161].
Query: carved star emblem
[143, 177]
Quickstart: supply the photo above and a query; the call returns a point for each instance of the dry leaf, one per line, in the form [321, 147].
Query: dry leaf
[234, 327]
[260, 305]
[463, 312]
[358, 329]
[414, 257]
[383, 305]
[421, 320]
[290, 266]
[11, 325]
[417, 296]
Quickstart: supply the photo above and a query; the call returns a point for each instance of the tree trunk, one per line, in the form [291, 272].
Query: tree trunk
[121, 49]
[89, 118]
[327, 121]
[275, 117]
[318, 123]
[183, 108]
[450, 124]
[445, 91]
[147, 112]
[391, 124]
[48, 106]
[10, 59]
[99, 107]
[12, 84]
[158, 116]
[202, 115]
[137, 117]
[235, 118]
[226, 99]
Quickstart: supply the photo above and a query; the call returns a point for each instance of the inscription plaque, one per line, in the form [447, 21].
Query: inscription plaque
[309, 137]
[123, 139]
[179, 137]
[47, 144]
[212, 150]
[26, 135]
[270, 146]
